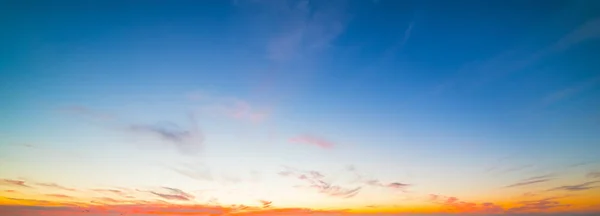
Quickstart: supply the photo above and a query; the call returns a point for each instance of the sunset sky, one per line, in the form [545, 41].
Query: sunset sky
[298, 107]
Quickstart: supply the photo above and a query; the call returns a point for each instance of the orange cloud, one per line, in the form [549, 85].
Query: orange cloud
[58, 195]
[266, 204]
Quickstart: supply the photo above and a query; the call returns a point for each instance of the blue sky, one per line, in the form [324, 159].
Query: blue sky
[418, 91]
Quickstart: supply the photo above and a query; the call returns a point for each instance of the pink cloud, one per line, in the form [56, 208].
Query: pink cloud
[230, 107]
[313, 140]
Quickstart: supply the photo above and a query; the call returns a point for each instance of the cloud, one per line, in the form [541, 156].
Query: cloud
[316, 180]
[10, 182]
[579, 187]
[265, 203]
[312, 140]
[195, 172]
[112, 191]
[187, 141]
[589, 30]
[231, 107]
[108, 199]
[58, 195]
[532, 180]
[393, 185]
[88, 113]
[173, 194]
[537, 205]
[593, 175]
[571, 91]
[512, 61]
[54, 185]
[453, 204]
[376, 183]
[306, 27]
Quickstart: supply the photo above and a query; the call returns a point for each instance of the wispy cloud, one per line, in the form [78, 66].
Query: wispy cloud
[198, 172]
[173, 194]
[453, 204]
[56, 186]
[532, 180]
[393, 185]
[537, 205]
[512, 61]
[316, 180]
[307, 27]
[17, 183]
[188, 141]
[593, 175]
[231, 107]
[578, 187]
[312, 140]
[108, 199]
[85, 112]
[265, 203]
[571, 91]
[112, 191]
[58, 195]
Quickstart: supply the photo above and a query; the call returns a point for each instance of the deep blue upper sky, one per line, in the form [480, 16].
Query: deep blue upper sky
[399, 78]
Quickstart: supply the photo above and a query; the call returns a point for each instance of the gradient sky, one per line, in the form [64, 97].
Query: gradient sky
[281, 107]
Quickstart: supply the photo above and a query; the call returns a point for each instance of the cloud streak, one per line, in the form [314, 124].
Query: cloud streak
[593, 175]
[509, 62]
[16, 183]
[307, 27]
[531, 181]
[453, 204]
[173, 194]
[230, 107]
[578, 187]
[312, 140]
[59, 196]
[316, 180]
[538, 205]
[187, 141]
[56, 186]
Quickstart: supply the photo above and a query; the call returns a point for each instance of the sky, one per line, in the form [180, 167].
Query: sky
[299, 107]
